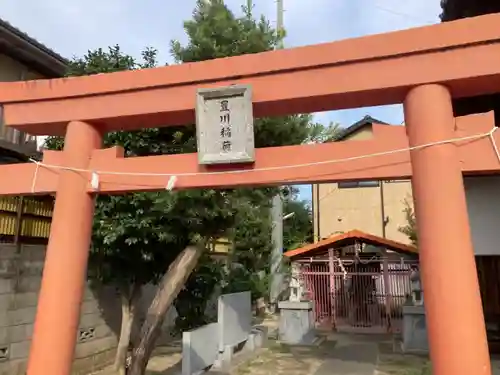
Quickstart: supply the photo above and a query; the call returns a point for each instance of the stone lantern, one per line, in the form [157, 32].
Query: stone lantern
[417, 293]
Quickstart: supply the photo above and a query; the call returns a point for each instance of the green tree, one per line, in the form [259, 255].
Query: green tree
[143, 238]
[159, 237]
[298, 230]
[193, 299]
[215, 32]
[410, 228]
[323, 134]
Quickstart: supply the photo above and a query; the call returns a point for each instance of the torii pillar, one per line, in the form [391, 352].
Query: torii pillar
[65, 270]
[455, 320]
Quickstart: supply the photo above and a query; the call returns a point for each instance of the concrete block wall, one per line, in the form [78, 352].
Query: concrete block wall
[100, 320]
[20, 278]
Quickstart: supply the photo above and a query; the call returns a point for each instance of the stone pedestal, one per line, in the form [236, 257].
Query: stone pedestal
[414, 330]
[296, 323]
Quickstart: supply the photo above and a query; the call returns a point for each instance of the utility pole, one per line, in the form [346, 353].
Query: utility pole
[277, 254]
[279, 21]
[277, 209]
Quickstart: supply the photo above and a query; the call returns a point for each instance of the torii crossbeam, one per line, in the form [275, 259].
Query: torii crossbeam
[422, 68]
[386, 157]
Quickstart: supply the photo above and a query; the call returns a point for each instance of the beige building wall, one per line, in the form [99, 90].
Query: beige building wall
[11, 70]
[338, 209]
[100, 319]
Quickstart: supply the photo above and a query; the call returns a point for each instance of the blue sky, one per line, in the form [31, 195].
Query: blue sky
[71, 27]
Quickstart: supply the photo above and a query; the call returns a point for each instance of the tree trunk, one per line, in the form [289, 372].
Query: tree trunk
[129, 296]
[169, 287]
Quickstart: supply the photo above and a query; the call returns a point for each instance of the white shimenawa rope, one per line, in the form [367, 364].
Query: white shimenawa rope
[33, 183]
[174, 176]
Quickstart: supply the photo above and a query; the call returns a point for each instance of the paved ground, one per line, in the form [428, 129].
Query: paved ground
[166, 362]
[391, 363]
[338, 355]
[331, 358]
[281, 360]
[335, 356]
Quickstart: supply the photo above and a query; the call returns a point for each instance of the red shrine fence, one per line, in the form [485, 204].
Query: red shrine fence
[357, 294]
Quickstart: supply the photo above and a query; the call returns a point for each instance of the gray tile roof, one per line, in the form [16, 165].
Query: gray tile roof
[367, 120]
[20, 46]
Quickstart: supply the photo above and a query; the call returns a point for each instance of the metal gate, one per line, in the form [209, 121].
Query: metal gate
[355, 295]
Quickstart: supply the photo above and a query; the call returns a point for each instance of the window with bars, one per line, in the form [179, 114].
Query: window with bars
[15, 136]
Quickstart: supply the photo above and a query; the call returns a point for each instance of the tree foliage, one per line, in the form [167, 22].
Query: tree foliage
[298, 230]
[137, 236]
[192, 302]
[410, 228]
[216, 32]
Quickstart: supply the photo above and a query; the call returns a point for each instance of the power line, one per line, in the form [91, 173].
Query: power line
[383, 8]
[401, 14]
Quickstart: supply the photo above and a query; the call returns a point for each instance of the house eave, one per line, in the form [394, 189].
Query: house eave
[36, 56]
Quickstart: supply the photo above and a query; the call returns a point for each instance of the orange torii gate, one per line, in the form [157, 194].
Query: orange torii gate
[422, 68]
